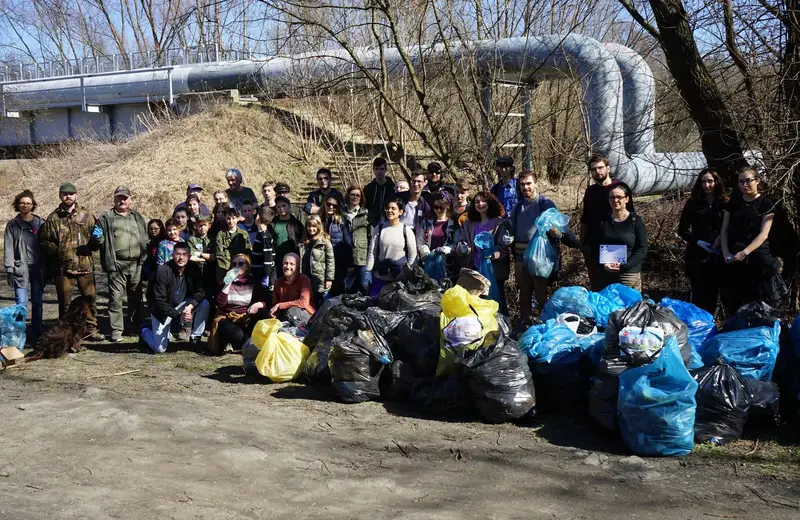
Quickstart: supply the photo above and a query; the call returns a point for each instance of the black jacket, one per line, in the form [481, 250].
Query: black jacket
[263, 256]
[160, 291]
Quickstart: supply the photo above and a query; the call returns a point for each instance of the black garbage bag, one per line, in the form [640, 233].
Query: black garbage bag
[748, 316]
[522, 326]
[412, 290]
[416, 341]
[384, 322]
[416, 280]
[640, 315]
[604, 392]
[397, 381]
[499, 379]
[315, 370]
[723, 402]
[448, 396]
[355, 367]
[334, 321]
[765, 404]
[562, 387]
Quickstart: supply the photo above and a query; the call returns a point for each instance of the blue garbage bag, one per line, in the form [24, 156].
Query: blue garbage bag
[603, 308]
[541, 343]
[699, 321]
[485, 242]
[540, 256]
[435, 266]
[621, 296]
[657, 405]
[569, 299]
[752, 352]
[12, 326]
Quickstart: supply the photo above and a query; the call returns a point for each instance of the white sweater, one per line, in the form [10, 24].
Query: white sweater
[389, 243]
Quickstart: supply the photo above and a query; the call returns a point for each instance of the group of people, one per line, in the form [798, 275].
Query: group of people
[217, 272]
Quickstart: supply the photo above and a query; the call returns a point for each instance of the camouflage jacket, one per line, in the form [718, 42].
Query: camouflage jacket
[66, 240]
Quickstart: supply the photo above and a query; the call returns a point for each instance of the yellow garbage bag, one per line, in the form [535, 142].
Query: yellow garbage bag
[458, 305]
[281, 355]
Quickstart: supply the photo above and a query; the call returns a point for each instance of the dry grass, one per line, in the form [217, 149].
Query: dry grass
[157, 165]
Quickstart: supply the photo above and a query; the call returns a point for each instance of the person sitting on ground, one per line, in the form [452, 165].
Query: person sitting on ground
[156, 233]
[378, 191]
[229, 242]
[166, 246]
[296, 210]
[360, 232]
[220, 197]
[237, 193]
[316, 199]
[181, 218]
[438, 234]
[507, 188]
[291, 299]
[338, 230]
[392, 246]
[197, 190]
[318, 260]
[248, 223]
[288, 231]
[401, 187]
[435, 182]
[461, 204]
[622, 227]
[177, 301]
[237, 302]
[263, 255]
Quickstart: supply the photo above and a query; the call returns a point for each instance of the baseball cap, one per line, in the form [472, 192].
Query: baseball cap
[434, 167]
[202, 217]
[122, 190]
[68, 187]
[282, 187]
[194, 187]
[504, 160]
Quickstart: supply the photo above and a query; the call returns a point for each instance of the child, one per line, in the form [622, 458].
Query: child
[318, 260]
[220, 197]
[167, 245]
[263, 257]
[201, 248]
[229, 242]
[156, 233]
[181, 217]
[249, 223]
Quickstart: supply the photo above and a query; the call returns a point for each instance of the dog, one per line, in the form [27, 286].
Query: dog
[66, 335]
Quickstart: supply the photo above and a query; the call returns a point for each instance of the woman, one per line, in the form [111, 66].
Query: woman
[437, 236]
[156, 233]
[626, 228]
[392, 246]
[753, 271]
[486, 214]
[166, 246]
[358, 226]
[22, 261]
[318, 260]
[336, 226]
[700, 227]
[220, 198]
[240, 298]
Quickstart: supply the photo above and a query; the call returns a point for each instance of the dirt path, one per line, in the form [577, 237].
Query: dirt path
[189, 436]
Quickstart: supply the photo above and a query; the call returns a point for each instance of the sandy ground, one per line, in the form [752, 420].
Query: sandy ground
[189, 436]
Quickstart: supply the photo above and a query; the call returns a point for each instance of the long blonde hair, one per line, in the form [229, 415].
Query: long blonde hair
[315, 220]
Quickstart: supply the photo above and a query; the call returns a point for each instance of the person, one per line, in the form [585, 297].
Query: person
[220, 197]
[359, 229]
[218, 224]
[522, 229]
[378, 191]
[438, 234]
[507, 188]
[486, 214]
[316, 199]
[201, 250]
[166, 246]
[338, 230]
[248, 224]
[416, 206]
[753, 272]
[193, 207]
[700, 226]
[237, 193]
[283, 190]
[181, 218]
[401, 186]
[288, 232]
[392, 246]
[177, 300]
[318, 260]
[622, 227]
[462, 199]
[292, 295]
[196, 190]
[263, 255]
[435, 182]
[155, 234]
[268, 190]
[22, 260]
[229, 242]
[122, 256]
[68, 238]
[236, 304]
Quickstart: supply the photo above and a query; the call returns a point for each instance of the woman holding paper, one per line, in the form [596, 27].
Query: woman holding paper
[623, 242]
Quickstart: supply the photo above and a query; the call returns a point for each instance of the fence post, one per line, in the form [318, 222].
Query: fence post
[83, 95]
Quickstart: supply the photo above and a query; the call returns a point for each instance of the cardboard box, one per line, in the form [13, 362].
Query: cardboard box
[11, 356]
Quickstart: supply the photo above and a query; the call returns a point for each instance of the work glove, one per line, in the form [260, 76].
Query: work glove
[10, 278]
[508, 239]
[230, 276]
[444, 250]
[462, 249]
[97, 232]
[366, 279]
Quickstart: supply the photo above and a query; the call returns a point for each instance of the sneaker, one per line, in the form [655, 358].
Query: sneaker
[194, 342]
[94, 336]
[183, 335]
[115, 339]
[228, 349]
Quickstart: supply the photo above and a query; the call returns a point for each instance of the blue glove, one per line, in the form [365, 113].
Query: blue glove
[97, 232]
[265, 281]
[366, 279]
[230, 276]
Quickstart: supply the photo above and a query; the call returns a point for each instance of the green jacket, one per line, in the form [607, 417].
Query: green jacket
[66, 240]
[319, 264]
[228, 244]
[361, 231]
[120, 232]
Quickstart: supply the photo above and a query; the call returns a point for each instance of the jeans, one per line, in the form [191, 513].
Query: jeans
[125, 282]
[35, 293]
[157, 337]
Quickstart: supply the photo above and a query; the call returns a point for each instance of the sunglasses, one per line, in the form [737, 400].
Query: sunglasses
[328, 204]
[239, 264]
[616, 197]
[747, 182]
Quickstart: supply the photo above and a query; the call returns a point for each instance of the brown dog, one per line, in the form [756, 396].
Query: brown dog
[67, 334]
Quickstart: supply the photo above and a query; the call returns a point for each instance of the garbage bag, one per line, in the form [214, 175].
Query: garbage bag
[485, 242]
[336, 316]
[751, 315]
[604, 392]
[281, 356]
[443, 396]
[580, 325]
[752, 352]
[499, 380]
[316, 371]
[650, 321]
[699, 321]
[412, 290]
[384, 323]
[12, 326]
[599, 306]
[435, 266]
[620, 295]
[568, 299]
[657, 405]
[540, 255]
[723, 401]
[458, 303]
[522, 326]
[416, 341]
[765, 404]
[396, 382]
[355, 367]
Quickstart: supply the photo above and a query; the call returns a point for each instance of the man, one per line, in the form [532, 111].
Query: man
[237, 193]
[435, 183]
[68, 237]
[522, 224]
[316, 199]
[176, 295]
[283, 190]
[417, 208]
[378, 191]
[193, 189]
[292, 293]
[268, 190]
[122, 255]
[401, 186]
[461, 204]
[507, 189]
